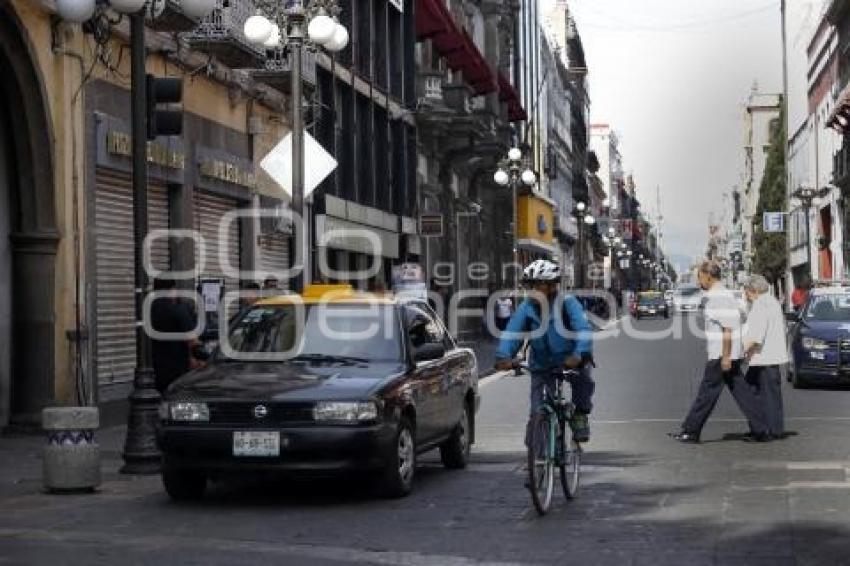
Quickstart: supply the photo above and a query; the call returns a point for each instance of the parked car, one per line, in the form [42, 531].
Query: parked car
[687, 299]
[322, 383]
[651, 304]
[819, 339]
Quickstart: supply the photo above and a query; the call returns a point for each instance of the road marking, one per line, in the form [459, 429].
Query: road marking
[341, 554]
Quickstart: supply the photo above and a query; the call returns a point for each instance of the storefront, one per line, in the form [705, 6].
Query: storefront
[357, 239]
[111, 240]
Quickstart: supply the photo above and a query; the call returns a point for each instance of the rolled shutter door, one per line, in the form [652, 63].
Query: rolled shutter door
[209, 212]
[274, 255]
[115, 276]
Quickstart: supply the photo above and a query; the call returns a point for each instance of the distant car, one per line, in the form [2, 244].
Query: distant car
[313, 384]
[651, 304]
[687, 299]
[819, 339]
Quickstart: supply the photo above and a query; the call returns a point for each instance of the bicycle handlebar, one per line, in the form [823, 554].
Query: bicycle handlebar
[567, 372]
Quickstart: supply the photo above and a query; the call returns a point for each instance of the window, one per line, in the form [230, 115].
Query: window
[424, 328]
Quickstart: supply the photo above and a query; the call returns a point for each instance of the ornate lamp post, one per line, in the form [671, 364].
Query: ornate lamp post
[807, 195]
[141, 455]
[279, 25]
[514, 171]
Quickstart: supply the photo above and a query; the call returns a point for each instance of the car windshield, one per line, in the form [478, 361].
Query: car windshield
[831, 307]
[312, 332]
[688, 291]
[655, 300]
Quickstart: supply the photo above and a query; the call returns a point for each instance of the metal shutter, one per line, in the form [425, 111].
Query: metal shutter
[274, 255]
[115, 308]
[209, 211]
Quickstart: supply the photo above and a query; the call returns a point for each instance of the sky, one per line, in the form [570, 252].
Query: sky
[672, 77]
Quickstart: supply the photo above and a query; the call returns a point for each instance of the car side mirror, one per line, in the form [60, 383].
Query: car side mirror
[428, 352]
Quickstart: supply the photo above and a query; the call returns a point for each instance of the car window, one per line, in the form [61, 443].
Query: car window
[430, 331]
[362, 331]
[829, 307]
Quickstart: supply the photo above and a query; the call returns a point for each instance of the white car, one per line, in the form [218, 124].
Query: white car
[687, 299]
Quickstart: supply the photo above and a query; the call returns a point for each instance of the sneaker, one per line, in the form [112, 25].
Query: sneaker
[685, 437]
[580, 427]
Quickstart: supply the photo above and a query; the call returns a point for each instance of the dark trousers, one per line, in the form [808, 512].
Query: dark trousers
[766, 382]
[710, 389]
[581, 385]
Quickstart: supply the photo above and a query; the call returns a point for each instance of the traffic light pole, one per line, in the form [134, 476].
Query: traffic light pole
[297, 20]
[141, 455]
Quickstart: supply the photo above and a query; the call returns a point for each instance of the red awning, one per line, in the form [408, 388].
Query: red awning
[453, 43]
[507, 93]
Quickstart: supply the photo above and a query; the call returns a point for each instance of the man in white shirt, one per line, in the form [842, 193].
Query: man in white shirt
[723, 341]
[766, 348]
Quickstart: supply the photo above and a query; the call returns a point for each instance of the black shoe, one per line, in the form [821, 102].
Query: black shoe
[753, 437]
[685, 437]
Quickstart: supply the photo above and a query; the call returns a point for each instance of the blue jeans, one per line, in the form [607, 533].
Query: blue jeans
[582, 387]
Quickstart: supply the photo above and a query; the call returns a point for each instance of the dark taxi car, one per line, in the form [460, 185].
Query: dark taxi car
[651, 304]
[819, 339]
[327, 381]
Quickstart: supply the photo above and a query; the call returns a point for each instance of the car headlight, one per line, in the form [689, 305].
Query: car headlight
[814, 343]
[346, 412]
[187, 411]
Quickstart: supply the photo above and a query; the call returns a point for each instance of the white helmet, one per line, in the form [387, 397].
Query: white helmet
[542, 270]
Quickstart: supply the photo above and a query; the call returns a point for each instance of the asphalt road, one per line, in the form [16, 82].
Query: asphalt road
[644, 500]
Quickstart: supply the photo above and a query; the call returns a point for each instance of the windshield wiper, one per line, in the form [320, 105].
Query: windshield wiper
[329, 358]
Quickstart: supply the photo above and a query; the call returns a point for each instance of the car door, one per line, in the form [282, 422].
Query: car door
[459, 370]
[429, 378]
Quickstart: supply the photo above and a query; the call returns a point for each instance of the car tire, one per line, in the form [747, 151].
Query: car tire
[184, 485]
[400, 468]
[454, 452]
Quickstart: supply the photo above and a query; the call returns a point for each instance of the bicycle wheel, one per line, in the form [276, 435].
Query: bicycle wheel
[541, 462]
[570, 466]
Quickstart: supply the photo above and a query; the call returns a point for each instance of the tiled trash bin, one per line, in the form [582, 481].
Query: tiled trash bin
[71, 457]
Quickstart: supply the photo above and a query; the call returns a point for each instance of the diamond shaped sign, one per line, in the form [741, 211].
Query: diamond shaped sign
[318, 164]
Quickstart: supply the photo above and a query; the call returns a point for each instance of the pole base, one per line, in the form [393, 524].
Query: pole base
[141, 453]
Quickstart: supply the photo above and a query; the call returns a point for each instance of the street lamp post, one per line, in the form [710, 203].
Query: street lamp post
[807, 195]
[275, 26]
[512, 171]
[141, 455]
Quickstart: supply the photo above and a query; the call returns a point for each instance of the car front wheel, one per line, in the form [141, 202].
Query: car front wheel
[184, 485]
[455, 451]
[397, 479]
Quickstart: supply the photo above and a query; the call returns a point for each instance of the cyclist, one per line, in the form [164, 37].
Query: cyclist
[554, 350]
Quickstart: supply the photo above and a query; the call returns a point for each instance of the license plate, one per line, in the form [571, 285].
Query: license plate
[651, 311]
[256, 443]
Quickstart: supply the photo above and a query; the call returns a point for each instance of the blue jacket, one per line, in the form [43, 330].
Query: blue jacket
[553, 348]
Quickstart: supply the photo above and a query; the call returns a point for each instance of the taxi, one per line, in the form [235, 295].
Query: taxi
[327, 381]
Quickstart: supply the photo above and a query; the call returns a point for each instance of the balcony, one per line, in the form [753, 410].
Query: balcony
[220, 35]
[172, 19]
[277, 72]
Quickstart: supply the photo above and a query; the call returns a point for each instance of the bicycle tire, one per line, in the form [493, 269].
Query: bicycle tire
[570, 467]
[541, 464]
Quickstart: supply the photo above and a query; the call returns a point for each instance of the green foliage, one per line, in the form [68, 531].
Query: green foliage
[770, 256]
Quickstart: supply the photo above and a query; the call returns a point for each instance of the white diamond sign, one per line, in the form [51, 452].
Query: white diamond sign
[318, 164]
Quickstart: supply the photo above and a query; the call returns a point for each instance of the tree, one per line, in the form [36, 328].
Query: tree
[770, 256]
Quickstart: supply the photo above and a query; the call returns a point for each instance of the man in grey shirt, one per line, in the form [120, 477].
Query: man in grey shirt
[723, 340]
[766, 348]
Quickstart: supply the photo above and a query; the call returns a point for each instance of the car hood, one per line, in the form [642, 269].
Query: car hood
[284, 382]
[827, 330]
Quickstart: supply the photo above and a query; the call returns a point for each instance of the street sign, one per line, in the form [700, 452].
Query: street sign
[774, 222]
[431, 225]
[318, 164]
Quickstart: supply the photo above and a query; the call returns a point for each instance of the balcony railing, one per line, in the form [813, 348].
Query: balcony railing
[221, 35]
[277, 70]
[172, 19]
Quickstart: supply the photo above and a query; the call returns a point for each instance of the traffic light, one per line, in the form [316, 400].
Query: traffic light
[162, 117]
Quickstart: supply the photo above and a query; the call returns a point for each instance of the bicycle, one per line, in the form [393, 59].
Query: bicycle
[548, 447]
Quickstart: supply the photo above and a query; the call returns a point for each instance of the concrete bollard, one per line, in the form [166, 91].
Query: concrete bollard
[71, 457]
